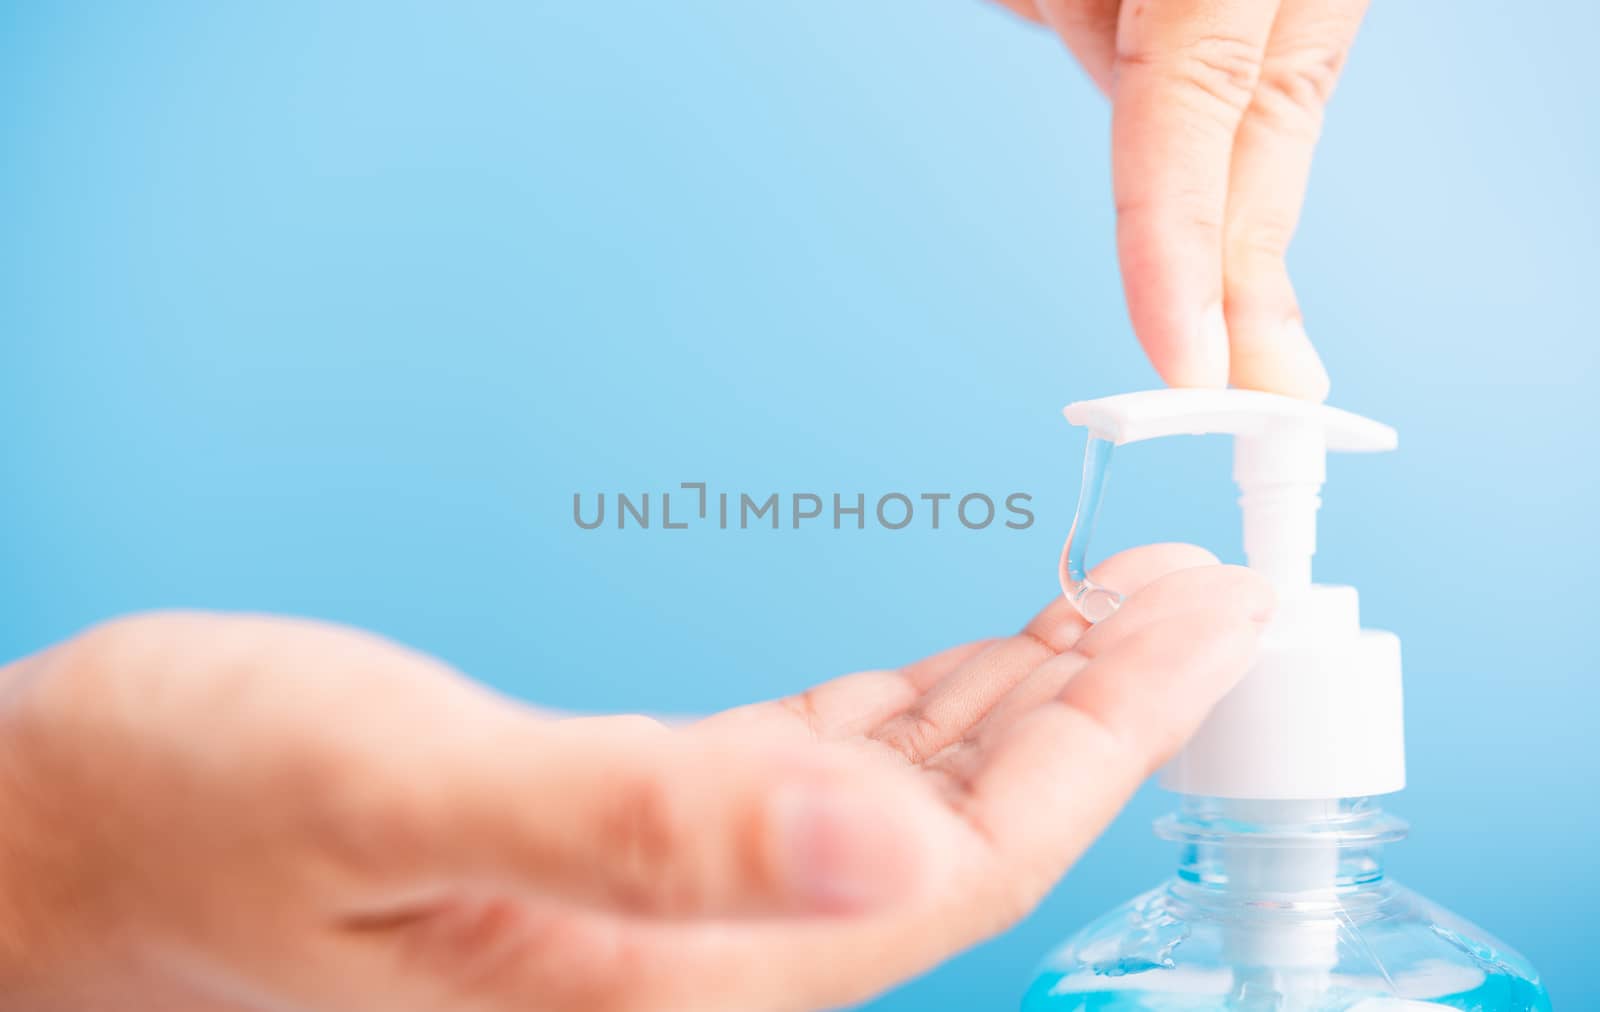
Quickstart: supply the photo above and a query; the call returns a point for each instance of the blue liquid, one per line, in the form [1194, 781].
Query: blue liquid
[1094, 602]
[1496, 994]
[1196, 942]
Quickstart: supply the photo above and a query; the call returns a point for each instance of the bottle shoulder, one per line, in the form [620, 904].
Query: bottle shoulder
[1179, 947]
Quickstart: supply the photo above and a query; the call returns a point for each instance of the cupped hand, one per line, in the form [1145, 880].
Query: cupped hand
[203, 812]
[1216, 110]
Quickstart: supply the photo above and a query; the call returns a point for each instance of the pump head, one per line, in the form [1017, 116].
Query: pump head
[1319, 715]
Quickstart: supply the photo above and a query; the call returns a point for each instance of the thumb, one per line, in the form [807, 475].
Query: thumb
[626, 814]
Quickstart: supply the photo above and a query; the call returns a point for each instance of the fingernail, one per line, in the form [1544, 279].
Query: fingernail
[1279, 358]
[838, 849]
[1263, 613]
[1263, 601]
[1252, 594]
[1302, 373]
[1208, 356]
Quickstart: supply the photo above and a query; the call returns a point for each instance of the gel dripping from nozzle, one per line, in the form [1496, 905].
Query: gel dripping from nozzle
[1094, 602]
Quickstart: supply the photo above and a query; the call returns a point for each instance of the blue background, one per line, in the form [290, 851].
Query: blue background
[330, 309]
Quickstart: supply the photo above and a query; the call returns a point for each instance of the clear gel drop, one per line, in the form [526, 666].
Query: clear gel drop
[1094, 602]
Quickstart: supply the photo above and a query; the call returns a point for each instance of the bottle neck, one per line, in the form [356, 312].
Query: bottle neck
[1280, 851]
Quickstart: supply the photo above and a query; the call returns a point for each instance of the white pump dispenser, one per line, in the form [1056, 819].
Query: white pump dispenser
[1280, 901]
[1319, 716]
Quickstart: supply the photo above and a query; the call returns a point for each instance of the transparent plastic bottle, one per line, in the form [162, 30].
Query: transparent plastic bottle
[1282, 906]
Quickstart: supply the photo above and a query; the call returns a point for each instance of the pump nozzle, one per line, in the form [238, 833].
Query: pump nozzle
[1149, 414]
[1319, 715]
[1280, 450]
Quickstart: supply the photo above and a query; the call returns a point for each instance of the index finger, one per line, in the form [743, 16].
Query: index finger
[948, 711]
[1184, 74]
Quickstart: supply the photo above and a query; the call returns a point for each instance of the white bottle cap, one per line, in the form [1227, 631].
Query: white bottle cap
[1319, 715]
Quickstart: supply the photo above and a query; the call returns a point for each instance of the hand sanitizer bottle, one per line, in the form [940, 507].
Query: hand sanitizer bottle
[1280, 901]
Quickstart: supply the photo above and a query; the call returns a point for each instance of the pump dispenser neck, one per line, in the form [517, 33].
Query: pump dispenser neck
[1284, 874]
[1296, 851]
[1280, 480]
